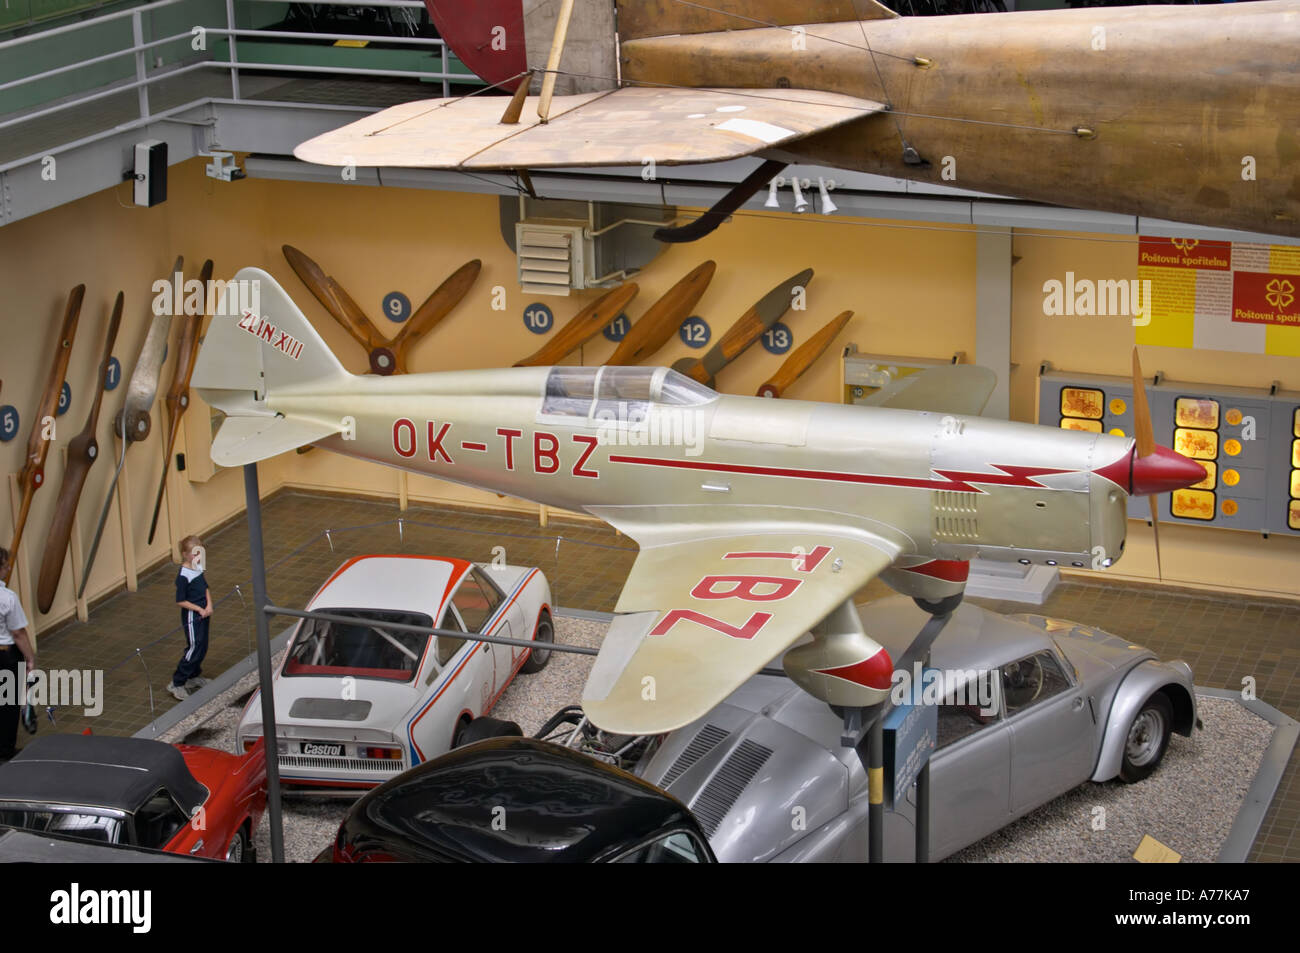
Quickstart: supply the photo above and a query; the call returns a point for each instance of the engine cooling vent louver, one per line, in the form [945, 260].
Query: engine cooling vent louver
[552, 258]
[705, 741]
[956, 516]
[725, 787]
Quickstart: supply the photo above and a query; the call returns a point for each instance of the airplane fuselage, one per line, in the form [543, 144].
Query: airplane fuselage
[937, 486]
[1180, 113]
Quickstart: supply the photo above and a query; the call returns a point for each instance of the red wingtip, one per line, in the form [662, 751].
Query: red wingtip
[1164, 470]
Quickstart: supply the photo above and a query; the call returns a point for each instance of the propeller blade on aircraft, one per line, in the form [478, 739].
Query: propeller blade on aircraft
[584, 326]
[32, 477]
[436, 307]
[804, 357]
[83, 451]
[661, 321]
[748, 329]
[178, 398]
[1156, 469]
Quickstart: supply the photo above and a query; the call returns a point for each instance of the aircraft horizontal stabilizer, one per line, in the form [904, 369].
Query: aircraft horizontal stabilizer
[707, 613]
[244, 440]
[962, 389]
[629, 126]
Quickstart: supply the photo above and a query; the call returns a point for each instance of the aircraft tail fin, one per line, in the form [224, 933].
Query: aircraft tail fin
[638, 19]
[260, 345]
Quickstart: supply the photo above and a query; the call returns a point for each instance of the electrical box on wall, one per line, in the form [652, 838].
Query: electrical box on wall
[563, 246]
[1247, 439]
[150, 172]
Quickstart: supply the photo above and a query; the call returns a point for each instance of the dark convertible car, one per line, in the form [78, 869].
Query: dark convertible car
[518, 800]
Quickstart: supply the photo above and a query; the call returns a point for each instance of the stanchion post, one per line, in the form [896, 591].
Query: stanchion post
[253, 503]
[876, 790]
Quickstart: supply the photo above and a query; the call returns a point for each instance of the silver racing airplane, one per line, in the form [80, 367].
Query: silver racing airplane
[757, 520]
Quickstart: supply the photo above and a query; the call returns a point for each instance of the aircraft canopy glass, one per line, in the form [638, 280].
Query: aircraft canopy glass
[619, 393]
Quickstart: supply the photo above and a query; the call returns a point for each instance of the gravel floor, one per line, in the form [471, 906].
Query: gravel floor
[1189, 804]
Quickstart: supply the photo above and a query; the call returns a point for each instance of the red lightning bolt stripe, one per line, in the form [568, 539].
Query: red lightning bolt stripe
[958, 480]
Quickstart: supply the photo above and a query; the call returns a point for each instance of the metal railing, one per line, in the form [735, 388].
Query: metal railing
[145, 77]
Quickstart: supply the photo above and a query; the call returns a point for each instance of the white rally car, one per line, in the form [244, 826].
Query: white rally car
[358, 704]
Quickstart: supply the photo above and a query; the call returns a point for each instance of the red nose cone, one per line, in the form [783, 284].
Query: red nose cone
[1163, 471]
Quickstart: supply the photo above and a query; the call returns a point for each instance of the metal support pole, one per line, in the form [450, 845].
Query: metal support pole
[253, 503]
[923, 797]
[876, 790]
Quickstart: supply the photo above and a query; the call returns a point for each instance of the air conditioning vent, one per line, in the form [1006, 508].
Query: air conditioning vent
[552, 258]
[705, 741]
[725, 788]
[956, 516]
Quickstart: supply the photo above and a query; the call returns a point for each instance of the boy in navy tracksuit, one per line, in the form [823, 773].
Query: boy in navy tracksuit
[195, 600]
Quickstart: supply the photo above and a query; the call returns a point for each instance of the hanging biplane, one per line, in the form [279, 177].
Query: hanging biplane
[1186, 113]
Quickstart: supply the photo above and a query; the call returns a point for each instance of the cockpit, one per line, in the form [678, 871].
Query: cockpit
[619, 393]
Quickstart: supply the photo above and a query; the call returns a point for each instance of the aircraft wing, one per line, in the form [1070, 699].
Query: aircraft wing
[950, 389]
[628, 126]
[709, 610]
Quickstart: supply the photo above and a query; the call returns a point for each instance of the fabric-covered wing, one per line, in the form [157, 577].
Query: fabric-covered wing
[707, 613]
[621, 127]
[950, 389]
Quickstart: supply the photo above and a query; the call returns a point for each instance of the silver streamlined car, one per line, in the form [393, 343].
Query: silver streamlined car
[1075, 704]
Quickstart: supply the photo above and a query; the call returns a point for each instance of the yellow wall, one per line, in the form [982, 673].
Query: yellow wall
[1190, 555]
[911, 285]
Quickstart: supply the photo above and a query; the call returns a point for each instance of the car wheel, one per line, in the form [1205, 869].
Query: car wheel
[1147, 738]
[482, 728]
[538, 657]
[945, 606]
[237, 852]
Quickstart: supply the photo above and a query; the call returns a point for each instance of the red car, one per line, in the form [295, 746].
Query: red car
[182, 799]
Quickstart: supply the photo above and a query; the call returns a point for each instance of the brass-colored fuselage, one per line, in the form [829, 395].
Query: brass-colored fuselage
[1188, 114]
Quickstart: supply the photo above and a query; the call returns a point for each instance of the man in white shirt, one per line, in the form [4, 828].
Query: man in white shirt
[15, 644]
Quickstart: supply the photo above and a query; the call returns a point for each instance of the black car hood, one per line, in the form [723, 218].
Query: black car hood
[511, 800]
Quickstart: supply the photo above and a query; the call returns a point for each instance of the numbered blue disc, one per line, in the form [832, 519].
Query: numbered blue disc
[777, 339]
[397, 306]
[538, 318]
[113, 374]
[617, 329]
[8, 422]
[65, 400]
[695, 332]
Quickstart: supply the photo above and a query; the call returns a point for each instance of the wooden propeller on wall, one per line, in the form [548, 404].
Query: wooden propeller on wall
[748, 329]
[386, 356]
[133, 422]
[804, 357]
[178, 397]
[582, 327]
[32, 477]
[661, 321]
[83, 451]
